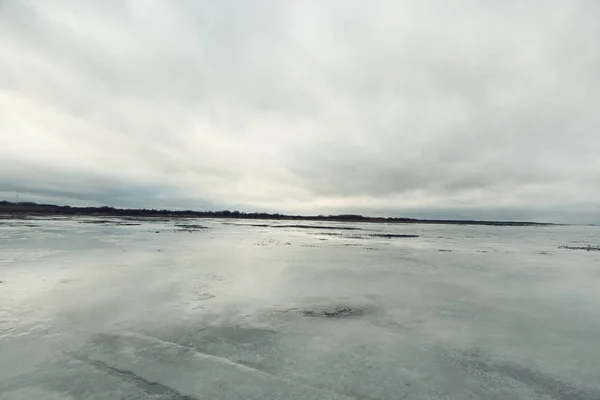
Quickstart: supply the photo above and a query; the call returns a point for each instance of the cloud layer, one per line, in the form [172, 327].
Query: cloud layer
[386, 107]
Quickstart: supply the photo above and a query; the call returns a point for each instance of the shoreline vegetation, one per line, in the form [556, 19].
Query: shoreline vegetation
[35, 209]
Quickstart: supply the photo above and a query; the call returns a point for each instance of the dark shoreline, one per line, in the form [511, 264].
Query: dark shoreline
[34, 209]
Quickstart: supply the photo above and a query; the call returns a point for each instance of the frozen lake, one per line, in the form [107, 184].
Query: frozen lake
[124, 309]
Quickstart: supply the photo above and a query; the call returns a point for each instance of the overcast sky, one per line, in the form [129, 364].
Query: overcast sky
[421, 108]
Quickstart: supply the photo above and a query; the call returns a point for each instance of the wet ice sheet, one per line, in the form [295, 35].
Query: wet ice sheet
[97, 309]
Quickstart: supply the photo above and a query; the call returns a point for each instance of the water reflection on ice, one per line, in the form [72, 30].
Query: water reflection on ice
[216, 309]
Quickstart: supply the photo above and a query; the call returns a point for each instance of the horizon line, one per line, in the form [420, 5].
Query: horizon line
[105, 210]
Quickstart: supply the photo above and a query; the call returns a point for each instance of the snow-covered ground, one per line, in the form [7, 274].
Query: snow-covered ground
[124, 309]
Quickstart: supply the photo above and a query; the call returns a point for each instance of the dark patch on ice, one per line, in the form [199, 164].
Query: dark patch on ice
[214, 276]
[152, 388]
[190, 228]
[391, 235]
[313, 308]
[341, 312]
[252, 225]
[268, 242]
[204, 296]
[330, 227]
[299, 226]
[18, 225]
[333, 311]
[586, 248]
[476, 362]
[147, 219]
[445, 250]
[370, 235]
[111, 222]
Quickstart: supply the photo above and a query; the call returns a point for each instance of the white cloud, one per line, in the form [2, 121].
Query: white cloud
[302, 106]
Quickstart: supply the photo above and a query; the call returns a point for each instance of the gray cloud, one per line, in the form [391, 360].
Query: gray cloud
[388, 106]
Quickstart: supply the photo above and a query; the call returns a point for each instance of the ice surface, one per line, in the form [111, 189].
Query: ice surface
[207, 309]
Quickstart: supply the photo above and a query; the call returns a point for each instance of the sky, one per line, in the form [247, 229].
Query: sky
[462, 109]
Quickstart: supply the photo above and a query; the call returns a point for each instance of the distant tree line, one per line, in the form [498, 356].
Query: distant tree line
[29, 208]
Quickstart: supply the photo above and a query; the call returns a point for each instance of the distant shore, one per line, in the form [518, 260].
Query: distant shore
[35, 209]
